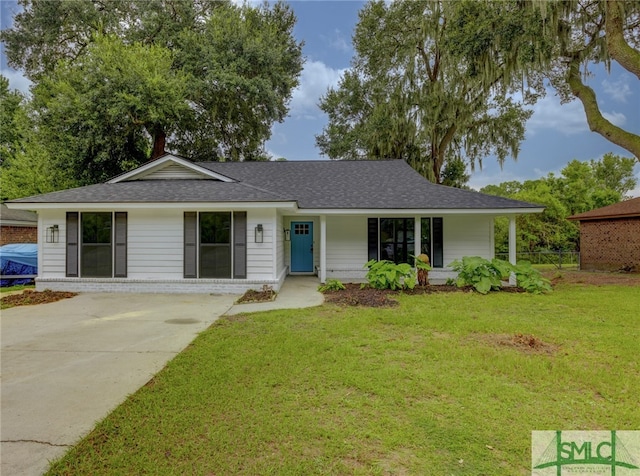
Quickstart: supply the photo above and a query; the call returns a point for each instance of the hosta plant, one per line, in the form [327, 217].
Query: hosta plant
[389, 275]
[331, 285]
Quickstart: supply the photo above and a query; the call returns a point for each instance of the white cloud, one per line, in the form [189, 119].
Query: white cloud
[316, 77]
[480, 179]
[337, 41]
[17, 80]
[620, 89]
[616, 118]
[567, 118]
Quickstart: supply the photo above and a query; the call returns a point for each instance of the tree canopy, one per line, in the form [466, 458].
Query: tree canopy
[580, 187]
[410, 95]
[118, 82]
[574, 36]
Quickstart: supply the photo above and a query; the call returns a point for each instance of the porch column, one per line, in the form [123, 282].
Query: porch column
[323, 248]
[417, 237]
[512, 246]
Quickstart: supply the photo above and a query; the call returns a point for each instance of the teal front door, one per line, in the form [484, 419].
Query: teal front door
[301, 246]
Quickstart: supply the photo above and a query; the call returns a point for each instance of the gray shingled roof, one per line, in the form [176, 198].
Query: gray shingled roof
[357, 184]
[161, 191]
[390, 184]
[7, 214]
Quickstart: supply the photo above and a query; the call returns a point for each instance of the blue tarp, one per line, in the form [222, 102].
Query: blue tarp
[18, 259]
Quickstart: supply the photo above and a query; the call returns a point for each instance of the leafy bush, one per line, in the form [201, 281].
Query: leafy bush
[482, 274]
[485, 275]
[389, 275]
[331, 285]
[530, 279]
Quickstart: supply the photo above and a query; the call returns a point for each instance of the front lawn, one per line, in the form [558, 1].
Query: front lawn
[441, 384]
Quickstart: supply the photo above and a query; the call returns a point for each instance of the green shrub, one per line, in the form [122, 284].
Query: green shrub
[485, 275]
[482, 274]
[530, 279]
[389, 275]
[331, 285]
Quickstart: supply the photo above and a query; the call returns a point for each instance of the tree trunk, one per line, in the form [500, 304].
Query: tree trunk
[159, 142]
[619, 49]
[595, 119]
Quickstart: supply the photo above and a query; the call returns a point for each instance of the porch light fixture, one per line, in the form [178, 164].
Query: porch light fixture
[259, 233]
[52, 234]
[287, 234]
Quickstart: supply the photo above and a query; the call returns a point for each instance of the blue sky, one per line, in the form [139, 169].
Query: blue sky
[555, 133]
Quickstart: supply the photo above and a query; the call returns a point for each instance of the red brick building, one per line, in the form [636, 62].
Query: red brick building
[610, 237]
[17, 226]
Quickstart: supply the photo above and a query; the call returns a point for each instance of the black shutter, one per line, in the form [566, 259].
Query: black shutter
[438, 247]
[120, 258]
[72, 245]
[239, 245]
[190, 244]
[372, 238]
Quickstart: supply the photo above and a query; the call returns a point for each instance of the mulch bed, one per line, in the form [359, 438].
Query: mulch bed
[30, 297]
[354, 295]
[265, 295]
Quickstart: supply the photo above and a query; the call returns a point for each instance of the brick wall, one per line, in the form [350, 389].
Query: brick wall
[18, 234]
[610, 245]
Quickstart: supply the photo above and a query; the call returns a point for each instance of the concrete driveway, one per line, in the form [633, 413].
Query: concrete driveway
[66, 365]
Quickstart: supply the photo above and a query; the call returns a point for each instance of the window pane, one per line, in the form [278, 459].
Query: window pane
[96, 261]
[372, 238]
[215, 261]
[215, 227]
[425, 237]
[438, 248]
[96, 227]
[397, 239]
[96, 252]
[387, 245]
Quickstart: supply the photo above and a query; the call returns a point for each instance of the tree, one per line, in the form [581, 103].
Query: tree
[203, 78]
[25, 166]
[594, 32]
[100, 110]
[410, 95]
[11, 130]
[580, 187]
[575, 35]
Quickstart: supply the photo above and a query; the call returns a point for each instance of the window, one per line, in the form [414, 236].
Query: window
[301, 229]
[96, 249]
[96, 244]
[397, 239]
[215, 245]
[393, 239]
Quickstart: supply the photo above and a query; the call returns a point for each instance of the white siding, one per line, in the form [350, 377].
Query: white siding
[155, 245]
[52, 256]
[261, 256]
[469, 235]
[155, 242]
[280, 244]
[346, 243]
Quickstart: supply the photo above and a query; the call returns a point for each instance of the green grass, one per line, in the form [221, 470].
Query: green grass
[411, 390]
[20, 287]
